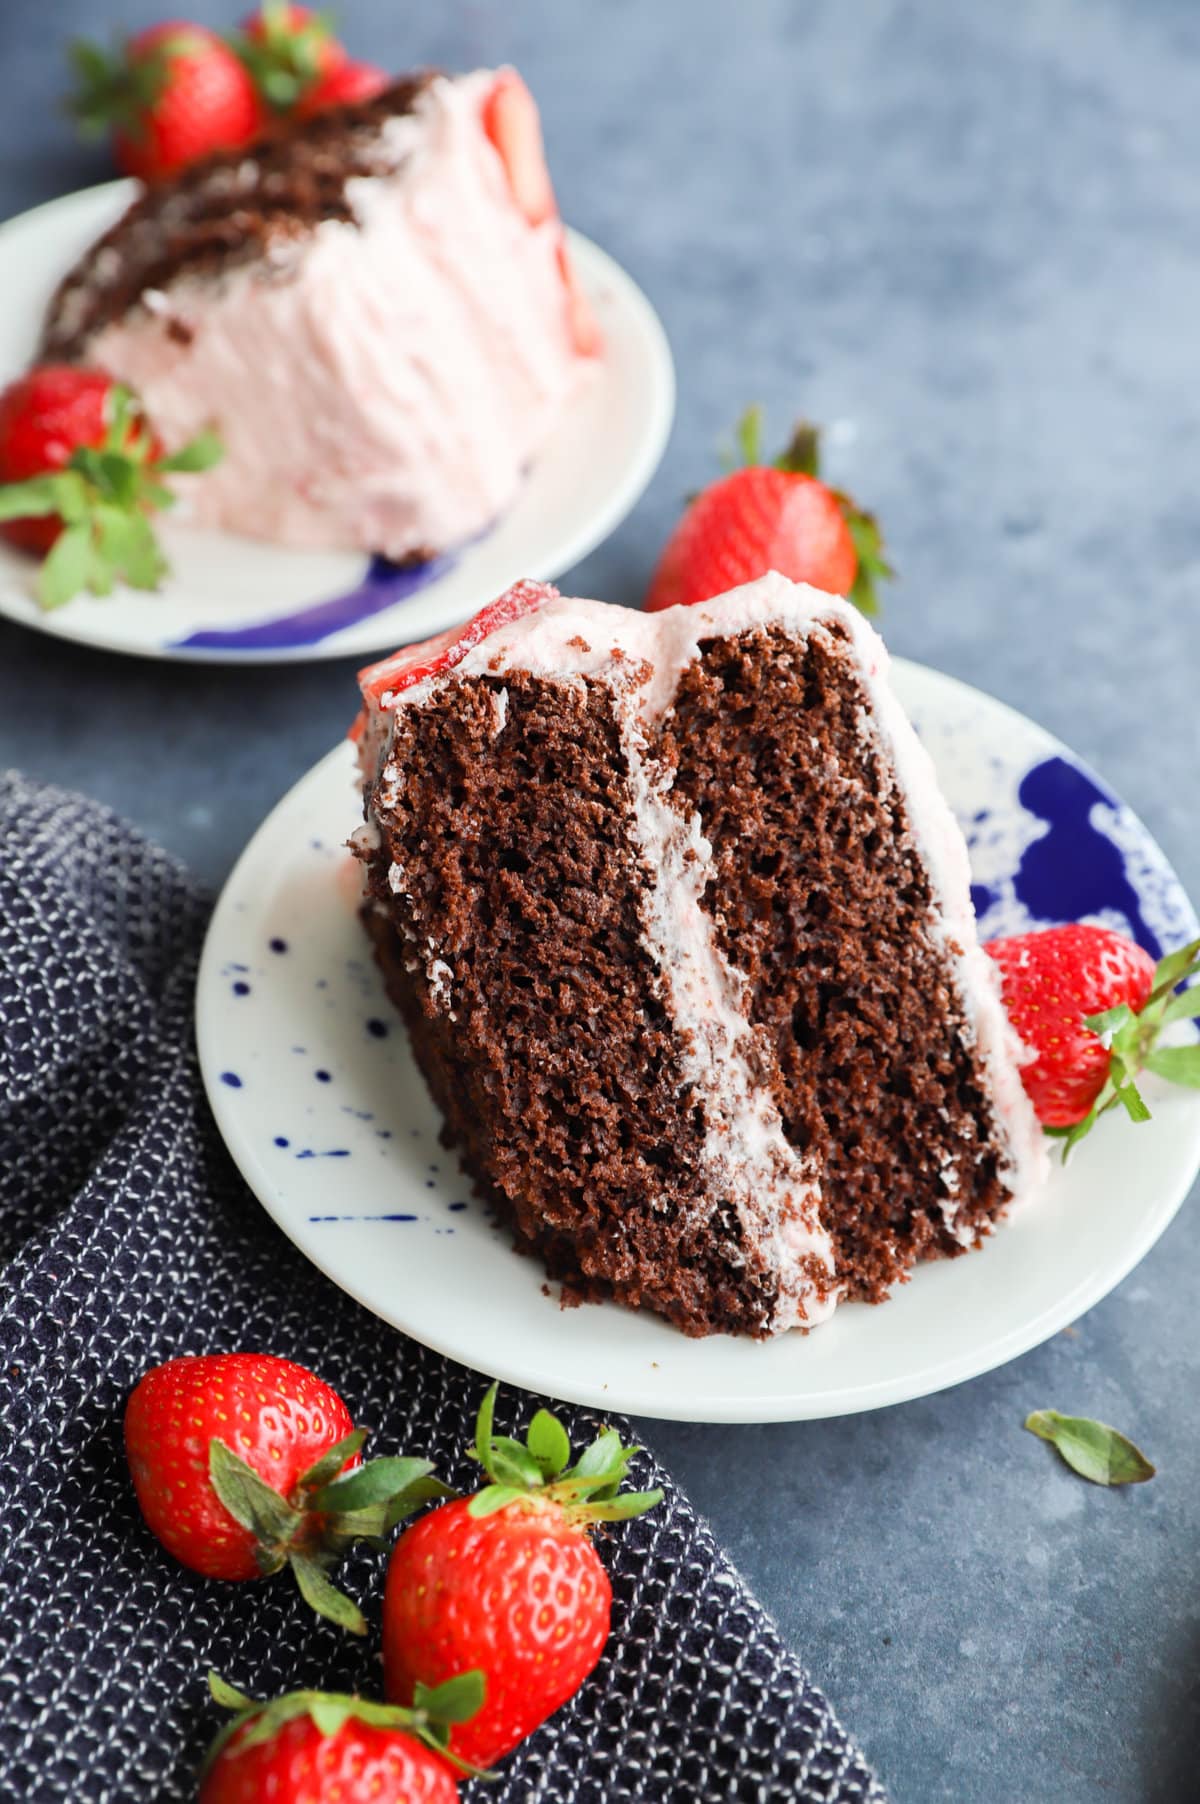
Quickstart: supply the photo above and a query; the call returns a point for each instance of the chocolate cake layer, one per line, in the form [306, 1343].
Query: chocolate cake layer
[681, 923]
[225, 209]
[820, 897]
[542, 1026]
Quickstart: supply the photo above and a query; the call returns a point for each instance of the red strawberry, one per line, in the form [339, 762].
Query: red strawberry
[289, 51]
[172, 94]
[343, 86]
[311, 1746]
[507, 1581]
[44, 417]
[510, 119]
[80, 471]
[414, 663]
[581, 321]
[243, 1463]
[1090, 1004]
[764, 517]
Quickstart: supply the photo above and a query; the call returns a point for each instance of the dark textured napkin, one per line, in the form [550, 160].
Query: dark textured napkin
[128, 1238]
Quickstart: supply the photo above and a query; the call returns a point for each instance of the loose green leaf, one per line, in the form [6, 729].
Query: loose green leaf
[549, 1443]
[66, 568]
[325, 1598]
[1092, 1449]
[249, 1499]
[1180, 1064]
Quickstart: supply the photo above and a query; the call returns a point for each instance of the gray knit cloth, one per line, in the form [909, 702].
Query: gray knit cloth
[128, 1238]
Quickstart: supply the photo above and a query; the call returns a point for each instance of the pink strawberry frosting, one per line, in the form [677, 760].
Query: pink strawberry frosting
[382, 384]
[641, 657]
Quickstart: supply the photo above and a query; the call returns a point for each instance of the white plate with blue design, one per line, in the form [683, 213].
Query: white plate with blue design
[313, 1087]
[235, 600]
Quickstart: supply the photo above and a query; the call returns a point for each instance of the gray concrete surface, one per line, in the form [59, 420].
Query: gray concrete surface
[971, 233]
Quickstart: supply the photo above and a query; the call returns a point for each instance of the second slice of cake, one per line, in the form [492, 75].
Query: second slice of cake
[681, 927]
[375, 308]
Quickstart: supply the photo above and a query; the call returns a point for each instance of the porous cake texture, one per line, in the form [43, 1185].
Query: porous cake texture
[680, 925]
[375, 308]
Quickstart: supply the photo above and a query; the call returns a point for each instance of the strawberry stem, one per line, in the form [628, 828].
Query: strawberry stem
[328, 1511]
[434, 1712]
[1132, 1040]
[285, 61]
[802, 457]
[589, 1491]
[115, 88]
[103, 496]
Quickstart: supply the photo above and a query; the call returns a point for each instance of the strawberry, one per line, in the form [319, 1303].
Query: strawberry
[1090, 1005]
[413, 663]
[243, 1463]
[289, 52]
[343, 86]
[313, 1745]
[778, 516]
[170, 94]
[80, 471]
[581, 321]
[510, 119]
[508, 1582]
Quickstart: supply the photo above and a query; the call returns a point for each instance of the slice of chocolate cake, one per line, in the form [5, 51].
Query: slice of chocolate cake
[680, 925]
[375, 307]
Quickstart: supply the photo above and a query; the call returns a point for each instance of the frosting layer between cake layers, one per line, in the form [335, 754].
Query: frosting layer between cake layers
[725, 1059]
[380, 381]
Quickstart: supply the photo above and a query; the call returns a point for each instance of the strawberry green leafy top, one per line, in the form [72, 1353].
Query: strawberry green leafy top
[1132, 1038]
[540, 1467]
[104, 497]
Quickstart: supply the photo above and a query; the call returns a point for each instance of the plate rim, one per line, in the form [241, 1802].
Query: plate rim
[744, 1408]
[659, 401]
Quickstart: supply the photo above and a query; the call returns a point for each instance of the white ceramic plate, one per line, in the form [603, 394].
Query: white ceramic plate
[233, 600]
[309, 1074]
